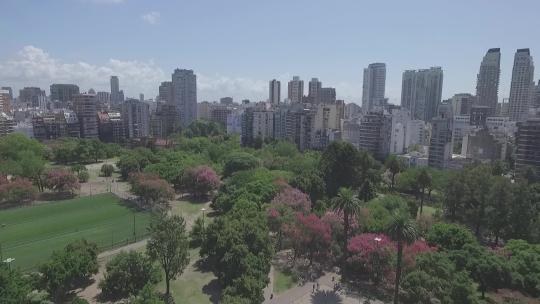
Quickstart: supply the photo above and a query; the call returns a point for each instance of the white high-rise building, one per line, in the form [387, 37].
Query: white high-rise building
[400, 119]
[274, 94]
[522, 85]
[487, 85]
[184, 84]
[296, 90]
[374, 86]
[421, 92]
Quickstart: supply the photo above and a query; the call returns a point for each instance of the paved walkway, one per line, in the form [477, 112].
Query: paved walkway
[324, 295]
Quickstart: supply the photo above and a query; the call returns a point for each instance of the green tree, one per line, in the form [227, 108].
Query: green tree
[14, 288]
[348, 203]
[500, 202]
[238, 161]
[436, 280]
[107, 170]
[70, 267]
[394, 166]
[147, 295]
[401, 230]
[424, 182]
[478, 180]
[448, 236]
[169, 245]
[127, 273]
[454, 196]
[340, 164]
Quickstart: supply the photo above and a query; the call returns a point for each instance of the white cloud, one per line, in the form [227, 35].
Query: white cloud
[151, 17]
[33, 66]
[212, 87]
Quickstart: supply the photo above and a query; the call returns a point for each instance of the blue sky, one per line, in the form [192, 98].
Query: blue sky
[236, 46]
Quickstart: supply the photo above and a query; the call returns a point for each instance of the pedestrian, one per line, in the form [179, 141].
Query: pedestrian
[271, 296]
[317, 286]
[313, 288]
[332, 278]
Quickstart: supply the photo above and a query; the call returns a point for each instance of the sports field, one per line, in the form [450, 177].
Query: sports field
[30, 234]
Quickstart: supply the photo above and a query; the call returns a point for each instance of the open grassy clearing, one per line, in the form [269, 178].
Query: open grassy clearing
[30, 234]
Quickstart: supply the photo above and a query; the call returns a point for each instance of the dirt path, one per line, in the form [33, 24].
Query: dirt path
[90, 292]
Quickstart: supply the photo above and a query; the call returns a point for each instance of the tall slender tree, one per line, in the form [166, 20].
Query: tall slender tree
[348, 203]
[401, 230]
[168, 244]
[424, 181]
[394, 166]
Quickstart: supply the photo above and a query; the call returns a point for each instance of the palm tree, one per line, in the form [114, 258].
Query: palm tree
[348, 203]
[401, 230]
[424, 181]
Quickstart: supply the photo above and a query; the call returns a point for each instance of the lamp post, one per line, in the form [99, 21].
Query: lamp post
[203, 210]
[376, 259]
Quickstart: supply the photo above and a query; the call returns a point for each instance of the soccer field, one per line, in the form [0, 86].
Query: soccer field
[30, 234]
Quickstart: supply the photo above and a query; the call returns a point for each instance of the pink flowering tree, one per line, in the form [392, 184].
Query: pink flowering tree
[150, 188]
[411, 251]
[370, 256]
[293, 198]
[17, 190]
[283, 208]
[200, 180]
[311, 237]
[61, 180]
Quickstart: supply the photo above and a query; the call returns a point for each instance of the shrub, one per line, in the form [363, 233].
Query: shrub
[107, 170]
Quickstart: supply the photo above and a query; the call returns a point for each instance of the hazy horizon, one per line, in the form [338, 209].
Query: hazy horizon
[236, 47]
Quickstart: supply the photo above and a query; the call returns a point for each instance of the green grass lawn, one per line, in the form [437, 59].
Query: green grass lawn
[187, 208]
[30, 234]
[283, 281]
[193, 286]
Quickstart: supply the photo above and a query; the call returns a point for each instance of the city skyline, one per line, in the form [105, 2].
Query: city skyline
[228, 62]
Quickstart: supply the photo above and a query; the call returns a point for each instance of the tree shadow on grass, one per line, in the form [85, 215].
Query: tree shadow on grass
[213, 289]
[326, 297]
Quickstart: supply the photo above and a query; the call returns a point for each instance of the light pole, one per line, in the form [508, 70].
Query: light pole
[203, 210]
[376, 259]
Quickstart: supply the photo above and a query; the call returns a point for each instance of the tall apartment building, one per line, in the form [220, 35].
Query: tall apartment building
[421, 92]
[9, 90]
[487, 85]
[117, 95]
[184, 83]
[32, 97]
[296, 89]
[226, 100]
[522, 85]
[352, 110]
[85, 107]
[440, 146]
[537, 95]
[219, 113]
[164, 121]
[103, 97]
[5, 101]
[416, 134]
[136, 117]
[165, 93]
[7, 124]
[295, 123]
[373, 86]
[314, 90]
[63, 92]
[53, 125]
[375, 134]
[111, 127]
[528, 144]
[274, 92]
[400, 119]
[257, 123]
[462, 103]
[326, 95]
